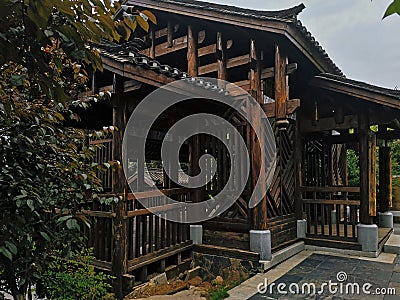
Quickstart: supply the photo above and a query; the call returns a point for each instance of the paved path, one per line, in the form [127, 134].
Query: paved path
[312, 267]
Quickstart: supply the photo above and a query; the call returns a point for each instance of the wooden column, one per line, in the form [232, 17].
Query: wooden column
[194, 156]
[260, 211]
[298, 204]
[119, 226]
[385, 179]
[192, 54]
[153, 44]
[367, 147]
[221, 60]
[281, 84]
[170, 32]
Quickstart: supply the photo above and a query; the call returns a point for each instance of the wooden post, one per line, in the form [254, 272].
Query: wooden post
[192, 55]
[194, 156]
[385, 179]
[367, 146]
[298, 205]
[260, 211]
[153, 44]
[221, 60]
[281, 84]
[170, 34]
[119, 226]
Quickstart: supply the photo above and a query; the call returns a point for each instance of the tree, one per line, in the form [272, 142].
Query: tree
[46, 50]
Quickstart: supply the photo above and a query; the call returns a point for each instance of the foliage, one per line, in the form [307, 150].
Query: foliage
[353, 168]
[30, 29]
[47, 49]
[75, 278]
[220, 291]
[393, 8]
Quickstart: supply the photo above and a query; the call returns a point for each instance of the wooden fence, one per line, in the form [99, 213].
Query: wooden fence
[149, 239]
[331, 212]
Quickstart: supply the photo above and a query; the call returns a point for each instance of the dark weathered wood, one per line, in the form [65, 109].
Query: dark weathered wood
[170, 34]
[330, 189]
[385, 179]
[281, 83]
[291, 106]
[298, 153]
[270, 72]
[325, 124]
[366, 160]
[347, 89]
[331, 201]
[192, 55]
[119, 228]
[260, 211]
[227, 252]
[221, 60]
[150, 258]
[230, 63]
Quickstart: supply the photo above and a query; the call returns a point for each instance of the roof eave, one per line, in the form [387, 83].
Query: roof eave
[357, 92]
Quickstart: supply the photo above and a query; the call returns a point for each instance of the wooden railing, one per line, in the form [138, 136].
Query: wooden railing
[331, 212]
[149, 237]
[103, 155]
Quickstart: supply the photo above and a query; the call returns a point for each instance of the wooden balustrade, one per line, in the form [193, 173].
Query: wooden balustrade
[149, 234]
[331, 212]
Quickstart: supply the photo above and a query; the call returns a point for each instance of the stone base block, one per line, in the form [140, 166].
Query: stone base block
[301, 228]
[385, 220]
[260, 242]
[196, 234]
[368, 237]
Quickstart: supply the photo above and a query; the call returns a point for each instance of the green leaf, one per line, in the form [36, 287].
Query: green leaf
[45, 236]
[72, 224]
[5, 252]
[10, 246]
[30, 204]
[394, 8]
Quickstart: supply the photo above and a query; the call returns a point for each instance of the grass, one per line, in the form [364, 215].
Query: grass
[219, 292]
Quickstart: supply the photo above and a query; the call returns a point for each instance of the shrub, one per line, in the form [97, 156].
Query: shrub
[75, 278]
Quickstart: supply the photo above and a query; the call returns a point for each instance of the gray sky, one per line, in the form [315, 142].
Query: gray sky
[352, 32]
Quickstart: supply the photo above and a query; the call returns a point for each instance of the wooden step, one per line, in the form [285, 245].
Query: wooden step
[333, 244]
[227, 252]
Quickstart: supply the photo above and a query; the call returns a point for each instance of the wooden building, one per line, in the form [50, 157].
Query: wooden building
[316, 113]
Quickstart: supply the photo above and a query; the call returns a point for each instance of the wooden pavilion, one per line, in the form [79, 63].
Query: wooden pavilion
[316, 113]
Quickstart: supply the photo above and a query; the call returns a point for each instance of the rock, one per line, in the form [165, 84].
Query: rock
[219, 280]
[159, 279]
[192, 273]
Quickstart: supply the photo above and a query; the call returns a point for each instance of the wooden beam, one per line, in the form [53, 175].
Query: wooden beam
[192, 56]
[171, 46]
[360, 93]
[367, 168]
[230, 63]
[327, 124]
[270, 72]
[281, 84]
[291, 106]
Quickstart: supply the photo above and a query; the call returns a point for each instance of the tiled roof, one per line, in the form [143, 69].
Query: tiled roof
[128, 52]
[362, 85]
[318, 48]
[286, 14]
